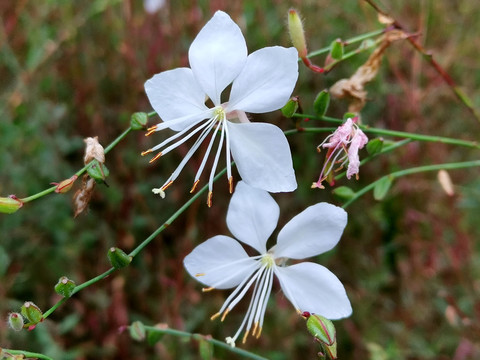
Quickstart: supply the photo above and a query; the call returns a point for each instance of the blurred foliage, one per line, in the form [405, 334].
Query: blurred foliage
[74, 69]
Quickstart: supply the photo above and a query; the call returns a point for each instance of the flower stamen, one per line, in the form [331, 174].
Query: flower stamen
[194, 187]
[156, 157]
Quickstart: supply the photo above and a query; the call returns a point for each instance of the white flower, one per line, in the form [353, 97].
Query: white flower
[343, 146]
[260, 82]
[222, 263]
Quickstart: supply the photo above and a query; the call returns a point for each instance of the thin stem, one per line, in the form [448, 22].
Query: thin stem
[429, 57]
[79, 172]
[208, 339]
[350, 41]
[402, 134]
[26, 354]
[414, 170]
[139, 248]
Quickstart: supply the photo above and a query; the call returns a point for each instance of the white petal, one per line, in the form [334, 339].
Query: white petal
[174, 94]
[262, 155]
[315, 230]
[266, 82]
[217, 55]
[313, 288]
[252, 216]
[219, 260]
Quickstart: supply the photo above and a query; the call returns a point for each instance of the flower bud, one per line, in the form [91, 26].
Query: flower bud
[336, 49]
[118, 258]
[295, 28]
[65, 185]
[290, 107]
[10, 204]
[137, 331]
[32, 312]
[138, 121]
[15, 321]
[322, 328]
[65, 287]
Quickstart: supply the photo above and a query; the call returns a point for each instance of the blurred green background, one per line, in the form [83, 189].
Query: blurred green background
[73, 69]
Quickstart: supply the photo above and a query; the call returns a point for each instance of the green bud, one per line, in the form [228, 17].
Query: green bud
[15, 321]
[65, 185]
[336, 49]
[374, 146]
[118, 258]
[10, 204]
[381, 187]
[321, 103]
[97, 171]
[344, 192]
[32, 312]
[137, 331]
[65, 287]
[295, 29]
[349, 115]
[290, 107]
[138, 121]
[322, 329]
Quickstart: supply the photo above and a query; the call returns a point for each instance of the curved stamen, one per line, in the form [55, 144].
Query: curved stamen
[180, 134]
[229, 159]
[167, 124]
[217, 156]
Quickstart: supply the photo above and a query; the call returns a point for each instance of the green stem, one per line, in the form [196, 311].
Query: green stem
[79, 172]
[418, 169]
[26, 354]
[402, 134]
[139, 248]
[208, 339]
[350, 41]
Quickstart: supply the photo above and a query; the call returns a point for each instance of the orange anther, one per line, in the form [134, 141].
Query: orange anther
[230, 184]
[167, 185]
[155, 158]
[194, 187]
[146, 152]
[209, 199]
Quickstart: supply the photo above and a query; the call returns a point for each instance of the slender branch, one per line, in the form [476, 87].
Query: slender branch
[350, 41]
[79, 172]
[26, 354]
[139, 248]
[429, 57]
[208, 339]
[414, 170]
[402, 134]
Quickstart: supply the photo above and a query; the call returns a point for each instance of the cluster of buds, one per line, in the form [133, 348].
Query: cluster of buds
[343, 146]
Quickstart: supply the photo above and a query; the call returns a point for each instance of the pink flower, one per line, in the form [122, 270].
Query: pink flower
[343, 146]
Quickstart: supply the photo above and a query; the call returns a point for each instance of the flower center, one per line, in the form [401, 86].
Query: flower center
[268, 261]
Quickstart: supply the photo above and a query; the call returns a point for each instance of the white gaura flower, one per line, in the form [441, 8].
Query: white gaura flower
[222, 263]
[260, 82]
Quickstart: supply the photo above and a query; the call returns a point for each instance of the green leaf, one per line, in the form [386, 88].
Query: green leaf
[344, 192]
[118, 258]
[153, 337]
[321, 103]
[375, 146]
[138, 121]
[381, 187]
[97, 171]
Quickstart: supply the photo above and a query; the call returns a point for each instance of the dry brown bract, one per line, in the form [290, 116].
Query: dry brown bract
[354, 86]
